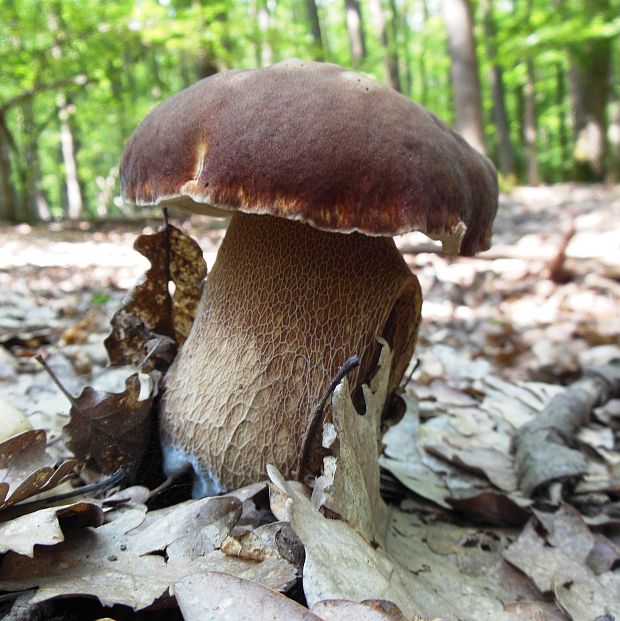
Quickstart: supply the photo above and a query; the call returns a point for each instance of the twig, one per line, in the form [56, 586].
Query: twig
[34, 505]
[416, 366]
[165, 215]
[316, 415]
[151, 352]
[163, 486]
[542, 446]
[56, 381]
[558, 273]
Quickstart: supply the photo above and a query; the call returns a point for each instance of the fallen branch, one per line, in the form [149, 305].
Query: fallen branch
[542, 447]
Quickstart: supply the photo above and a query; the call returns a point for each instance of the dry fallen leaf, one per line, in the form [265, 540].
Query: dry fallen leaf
[26, 468]
[191, 530]
[111, 430]
[150, 311]
[349, 485]
[12, 421]
[45, 527]
[124, 563]
[469, 581]
[369, 610]
[218, 596]
[562, 561]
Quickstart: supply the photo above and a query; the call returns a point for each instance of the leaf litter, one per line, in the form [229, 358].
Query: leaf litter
[499, 339]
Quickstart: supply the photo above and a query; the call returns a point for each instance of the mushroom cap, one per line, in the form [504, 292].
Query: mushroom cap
[317, 143]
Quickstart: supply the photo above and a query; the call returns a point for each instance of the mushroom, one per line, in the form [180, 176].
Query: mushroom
[319, 167]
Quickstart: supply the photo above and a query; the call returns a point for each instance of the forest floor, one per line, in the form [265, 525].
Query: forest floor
[535, 310]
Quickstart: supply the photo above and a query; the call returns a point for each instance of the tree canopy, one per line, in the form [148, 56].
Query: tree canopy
[78, 75]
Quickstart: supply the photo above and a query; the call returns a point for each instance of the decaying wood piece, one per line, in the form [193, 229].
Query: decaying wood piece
[542, 447]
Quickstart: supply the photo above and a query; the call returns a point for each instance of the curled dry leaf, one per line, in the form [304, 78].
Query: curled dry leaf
[109, 431]
[46, 527]
[349, 484]
[218, 596]
[151, 317]
[473, 583]
[26, 469]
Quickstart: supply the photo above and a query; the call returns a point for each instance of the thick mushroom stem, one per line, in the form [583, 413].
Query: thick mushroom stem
[283, 307]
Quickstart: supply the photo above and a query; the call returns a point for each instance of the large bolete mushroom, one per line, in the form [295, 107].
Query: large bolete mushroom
[319, 167]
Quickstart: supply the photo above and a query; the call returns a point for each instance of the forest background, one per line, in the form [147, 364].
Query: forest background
[533, 83]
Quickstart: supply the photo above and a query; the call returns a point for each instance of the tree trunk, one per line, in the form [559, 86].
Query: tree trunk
[264, 20]
[387, 40]
[355, 31]
[423, 76]
[315, 29]
[35, 203]
[67, 142]
[505, 152]
[560, 90]
[464, 71]
[589, 87]
[406, 50]
[530, 127]
[9, 207]
[613, 171]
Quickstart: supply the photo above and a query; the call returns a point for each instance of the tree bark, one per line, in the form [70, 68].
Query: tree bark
[315, 29]
[563, 128]
[9, 207]
[613, 172]
[589, 88]
[264, 20]
[35, 203]
[423, 76]
[355, 31]
[530, 126]
[387, 39]
[67, 142]
[505, 152]
[464, 71]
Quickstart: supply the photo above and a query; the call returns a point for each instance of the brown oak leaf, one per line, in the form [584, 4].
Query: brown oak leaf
[26, 469]
[111, 430]
[153, 322]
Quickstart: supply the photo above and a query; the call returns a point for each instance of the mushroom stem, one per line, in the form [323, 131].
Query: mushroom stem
[283, 307]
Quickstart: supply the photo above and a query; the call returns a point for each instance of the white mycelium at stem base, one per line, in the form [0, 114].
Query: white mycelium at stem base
[283, 307]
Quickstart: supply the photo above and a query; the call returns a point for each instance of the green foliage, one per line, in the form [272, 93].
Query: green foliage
[113, 61]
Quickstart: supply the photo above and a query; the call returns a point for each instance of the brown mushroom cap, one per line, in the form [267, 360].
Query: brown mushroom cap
[316, 143]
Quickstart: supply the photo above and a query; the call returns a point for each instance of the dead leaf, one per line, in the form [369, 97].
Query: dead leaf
[26, 468]
[150, 311]
[192, 530]
[603, 556]
[111, 430]
[542, 453]
[217, 596]
[12, 421]
[496, 466]
[257, 544]
[349, 484]
[113, 562]
[403, 457]
[597, 598]
[369, 610]
[340, 564]
[490, 507]
[545, 565]
[46, 527]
